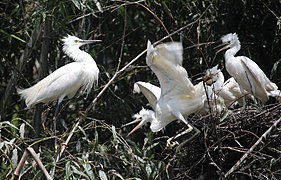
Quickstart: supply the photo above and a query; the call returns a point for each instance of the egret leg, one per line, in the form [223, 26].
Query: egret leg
[55, 123]
[243, 98]
[197, 132]
[170, 142]
[243, 103]
[188, 130]
[55, 116]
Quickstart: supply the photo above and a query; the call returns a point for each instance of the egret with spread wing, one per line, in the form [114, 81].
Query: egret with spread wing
[246, 72]
[179, 97]
[152, 94]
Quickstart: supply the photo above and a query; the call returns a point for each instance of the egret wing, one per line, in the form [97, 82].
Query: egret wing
[230, 90]
[65, 81]
[258, 80]
[150, 91]
[165, 60]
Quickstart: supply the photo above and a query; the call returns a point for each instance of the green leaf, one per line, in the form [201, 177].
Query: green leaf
[18, 38]
[8, 123]
[67, 170]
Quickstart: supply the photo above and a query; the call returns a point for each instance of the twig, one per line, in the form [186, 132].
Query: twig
[67, 140]
[264, 136]
[20, 165]
[39, 163]
[37, 160]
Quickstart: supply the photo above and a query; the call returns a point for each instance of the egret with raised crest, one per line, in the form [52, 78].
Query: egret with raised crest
[246, 72]
[65, 81]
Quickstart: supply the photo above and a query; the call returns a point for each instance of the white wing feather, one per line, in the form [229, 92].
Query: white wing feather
[260, 83]
[150, 91]
[165, 60]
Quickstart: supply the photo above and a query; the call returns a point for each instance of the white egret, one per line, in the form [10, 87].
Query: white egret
[152, 94]
[214, 78]
[246, 72]
[213, 104]
[66, 80]
[179, 97]
[228, 90]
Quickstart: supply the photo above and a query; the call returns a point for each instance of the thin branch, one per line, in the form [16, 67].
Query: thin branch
[64, 145]
[264, 136]
[24, 157]
[123, 41]
[39, 163]
[20, 165]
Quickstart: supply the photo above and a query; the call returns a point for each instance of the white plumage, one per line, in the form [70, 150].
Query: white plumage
[228, 90]
[179, 97]
[151, 92]
[246, 72]
[66, 80]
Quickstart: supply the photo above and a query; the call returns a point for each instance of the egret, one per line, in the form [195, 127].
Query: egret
[66, 80]
[152, 94]
[228, 90]
[246, 72]
[179, 97]
[213, 104]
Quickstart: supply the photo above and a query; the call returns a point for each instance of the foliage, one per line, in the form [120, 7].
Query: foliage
[98, 148]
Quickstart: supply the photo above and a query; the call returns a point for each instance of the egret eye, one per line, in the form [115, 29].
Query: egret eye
[76, 41]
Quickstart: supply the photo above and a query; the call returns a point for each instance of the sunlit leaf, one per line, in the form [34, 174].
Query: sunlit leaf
[102, 175]
[75, 171]
[15, 157]
[114, 134]
[67, 170]
[22, 130]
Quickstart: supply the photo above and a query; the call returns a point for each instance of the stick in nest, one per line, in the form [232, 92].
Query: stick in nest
[263, 137]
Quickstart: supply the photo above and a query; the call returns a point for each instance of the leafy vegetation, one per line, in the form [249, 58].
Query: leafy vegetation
[94, 145]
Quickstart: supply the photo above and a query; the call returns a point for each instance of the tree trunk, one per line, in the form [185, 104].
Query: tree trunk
[43, 69]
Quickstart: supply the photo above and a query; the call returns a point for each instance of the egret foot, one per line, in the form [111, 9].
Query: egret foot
[197, 132]
[170, 144]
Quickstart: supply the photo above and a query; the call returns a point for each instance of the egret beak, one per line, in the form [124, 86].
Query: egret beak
[141, 123]
[209, 81]
[133, 122]
[199, 79]
[90, 41]
[222, 47]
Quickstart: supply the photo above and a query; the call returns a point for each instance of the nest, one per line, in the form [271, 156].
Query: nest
[246, 143]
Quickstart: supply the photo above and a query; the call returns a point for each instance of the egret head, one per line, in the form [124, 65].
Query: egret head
[212, 75]
[228, 41]
[75, 42]
[143, 117]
